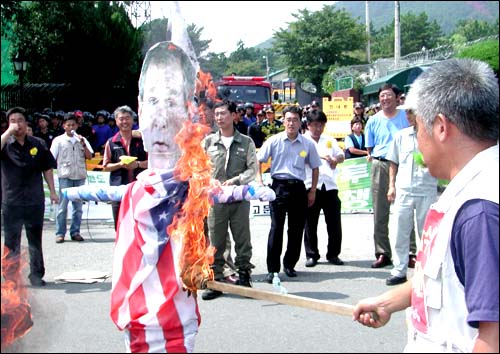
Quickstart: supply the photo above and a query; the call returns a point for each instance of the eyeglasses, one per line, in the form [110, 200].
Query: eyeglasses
[260, 115]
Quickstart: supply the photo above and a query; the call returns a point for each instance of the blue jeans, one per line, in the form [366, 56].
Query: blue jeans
[62, 211]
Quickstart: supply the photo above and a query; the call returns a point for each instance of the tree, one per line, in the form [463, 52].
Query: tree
[156, 31]
[9, 9]
[200, 45]
[486, 51]
[215, 63]
[357, 72]
[246, 61]
[471, 29]
[318, 40]
[153, 32]
[85, 43]
[416, 32]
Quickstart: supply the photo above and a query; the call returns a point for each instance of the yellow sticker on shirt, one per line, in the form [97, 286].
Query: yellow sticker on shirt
[33, 151]
[329, 144]
[303, 153]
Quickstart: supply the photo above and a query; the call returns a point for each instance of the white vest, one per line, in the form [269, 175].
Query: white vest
[70, 158]
[438, 313]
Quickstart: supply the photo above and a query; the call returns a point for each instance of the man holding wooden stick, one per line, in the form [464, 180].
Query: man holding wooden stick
[452, 299]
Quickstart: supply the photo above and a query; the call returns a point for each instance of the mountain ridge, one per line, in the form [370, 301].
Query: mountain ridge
[446, 13]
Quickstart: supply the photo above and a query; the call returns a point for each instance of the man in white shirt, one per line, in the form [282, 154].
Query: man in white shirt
[412, 189]
[70, 151]
[327, 194]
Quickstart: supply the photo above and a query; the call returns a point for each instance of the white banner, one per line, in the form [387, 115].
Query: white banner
[349, 184]
[91, 210]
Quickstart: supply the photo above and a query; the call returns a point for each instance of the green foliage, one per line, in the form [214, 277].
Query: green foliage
[486, 51]
[328, 82]
[9, 10]
[416, 32]
[199, 45]
[248, 61]
[471, 29]
[318, 40]
[244, 68]
[93, 43]
[153, 32]
[85, 43]
[360, 79]
[156, 31]
[445, 13]
[8, 74]
[215, 64]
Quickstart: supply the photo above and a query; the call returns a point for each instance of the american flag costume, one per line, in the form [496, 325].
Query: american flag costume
[147, 296]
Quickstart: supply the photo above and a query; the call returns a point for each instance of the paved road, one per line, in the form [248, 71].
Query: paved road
[75, 317]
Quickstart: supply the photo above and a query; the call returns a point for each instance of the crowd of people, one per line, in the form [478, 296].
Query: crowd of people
[457, 232]
[48, 124]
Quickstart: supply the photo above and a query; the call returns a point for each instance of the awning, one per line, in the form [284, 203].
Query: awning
[402, 78]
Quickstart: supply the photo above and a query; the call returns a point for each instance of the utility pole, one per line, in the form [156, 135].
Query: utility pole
[267, 67]
[367, 17]
[397, 35]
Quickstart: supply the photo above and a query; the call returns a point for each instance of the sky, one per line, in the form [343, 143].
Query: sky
[227, 22]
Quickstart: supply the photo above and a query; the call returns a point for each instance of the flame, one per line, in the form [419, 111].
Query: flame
[188, 226]
[205, 90]
[195, 166]
[15, 311]
[206, 83]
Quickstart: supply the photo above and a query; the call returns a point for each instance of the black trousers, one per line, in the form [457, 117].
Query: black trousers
[329, 202]
[14, 217]
[291, 199]
[115, 206]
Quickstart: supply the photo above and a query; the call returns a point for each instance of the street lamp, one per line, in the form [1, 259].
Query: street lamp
[267, 66]
[20, 66]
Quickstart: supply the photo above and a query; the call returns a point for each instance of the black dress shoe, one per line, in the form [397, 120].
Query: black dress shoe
[37, 282]
[311, 262]
[382, 261]
[395, 280]
[336, 261]
[290, 272]
[411, 261]
[269, 278]
[210, 294]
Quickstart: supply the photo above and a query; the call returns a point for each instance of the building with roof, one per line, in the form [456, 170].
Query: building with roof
[402, 78]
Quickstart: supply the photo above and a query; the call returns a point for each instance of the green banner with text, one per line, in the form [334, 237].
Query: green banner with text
[354, 182]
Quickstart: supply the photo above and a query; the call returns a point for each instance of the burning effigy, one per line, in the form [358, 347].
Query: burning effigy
[161, 257]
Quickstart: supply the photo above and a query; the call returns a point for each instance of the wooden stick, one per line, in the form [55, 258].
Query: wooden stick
[287, 299]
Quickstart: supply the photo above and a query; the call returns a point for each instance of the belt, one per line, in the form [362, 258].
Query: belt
[288, 181]
[380, 158]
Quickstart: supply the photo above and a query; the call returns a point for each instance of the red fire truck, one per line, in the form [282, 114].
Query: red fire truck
[243, 89]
